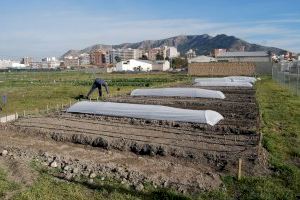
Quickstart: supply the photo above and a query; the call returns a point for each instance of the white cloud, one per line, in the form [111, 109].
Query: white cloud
[74, 30]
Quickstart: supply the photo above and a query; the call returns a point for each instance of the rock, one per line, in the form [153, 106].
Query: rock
[102, 178]
[66, 168]
[53, 164]
[46, 154]
[90, 181]
[68, 176]
[93, 175]
[166, 184]
[4, 153]
[75, 170]
[139, 187]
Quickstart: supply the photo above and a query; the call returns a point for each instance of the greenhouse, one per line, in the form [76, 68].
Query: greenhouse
[179, 92]
[151, 112]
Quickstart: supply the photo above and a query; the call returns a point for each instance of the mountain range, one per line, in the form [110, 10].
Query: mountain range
[202, 44]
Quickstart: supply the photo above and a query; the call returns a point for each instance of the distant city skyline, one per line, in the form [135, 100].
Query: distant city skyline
[50, 28]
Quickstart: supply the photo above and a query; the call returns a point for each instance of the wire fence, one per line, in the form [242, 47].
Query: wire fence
[47, 109]
[288, 74]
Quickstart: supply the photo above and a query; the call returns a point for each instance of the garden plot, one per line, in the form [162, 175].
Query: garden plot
[218, 146]
[239, 108]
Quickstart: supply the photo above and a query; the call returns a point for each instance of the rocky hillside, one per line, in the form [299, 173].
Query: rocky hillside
[202, 44]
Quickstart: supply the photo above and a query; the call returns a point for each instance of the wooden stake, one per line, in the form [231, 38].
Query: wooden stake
[24, 113]
[47, 109]
[240, 169]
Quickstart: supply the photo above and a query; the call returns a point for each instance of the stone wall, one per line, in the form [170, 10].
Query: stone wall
[222, 69]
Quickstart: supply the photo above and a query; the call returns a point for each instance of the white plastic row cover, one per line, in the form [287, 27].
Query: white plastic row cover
[152, 112]
[222, 84]
[227, 79]
[179, 92]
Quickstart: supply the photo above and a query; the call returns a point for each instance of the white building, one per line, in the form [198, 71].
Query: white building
[161, 65]
[190, 54]
[17, 65]
[201, 59]
[5, 64]
[133, 65]
[84, 59]
[247, 56]
[124, 54]
[172, 52]
[50, 62]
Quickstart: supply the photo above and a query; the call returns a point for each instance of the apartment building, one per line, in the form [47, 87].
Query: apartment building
[71, 61]
[99, 58]
[84, 59]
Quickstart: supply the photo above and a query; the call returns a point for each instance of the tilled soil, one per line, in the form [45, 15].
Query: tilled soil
[79, 160]
[238, 108]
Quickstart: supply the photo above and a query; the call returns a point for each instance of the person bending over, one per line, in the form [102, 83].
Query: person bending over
[98, 83]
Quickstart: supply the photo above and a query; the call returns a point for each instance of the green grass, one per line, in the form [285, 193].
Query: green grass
[49, 188]
[5, 184]
[35, 90]
[280, 116]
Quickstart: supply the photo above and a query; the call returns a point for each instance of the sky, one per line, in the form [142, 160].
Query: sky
[44, 28]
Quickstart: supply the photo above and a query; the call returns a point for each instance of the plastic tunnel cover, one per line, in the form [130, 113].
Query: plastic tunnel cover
[242, 79]
[179, 92]
[222, 84]
[224, 79]
[154, 112]
[227, 79]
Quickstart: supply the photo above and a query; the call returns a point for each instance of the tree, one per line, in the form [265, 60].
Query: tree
[179, 62]
[159, 57]
[144, 57]
[118, 59]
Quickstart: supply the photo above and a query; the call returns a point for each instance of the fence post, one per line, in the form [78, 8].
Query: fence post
[24, 113]
[298, 75]
[70, 103]
[240, 169]
[47, 109]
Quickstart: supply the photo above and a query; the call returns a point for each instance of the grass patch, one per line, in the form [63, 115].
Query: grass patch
[35, 90]
[6, 185]
[47, 187]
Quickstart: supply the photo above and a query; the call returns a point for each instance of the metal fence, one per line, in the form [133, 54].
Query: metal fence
[288, 74]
